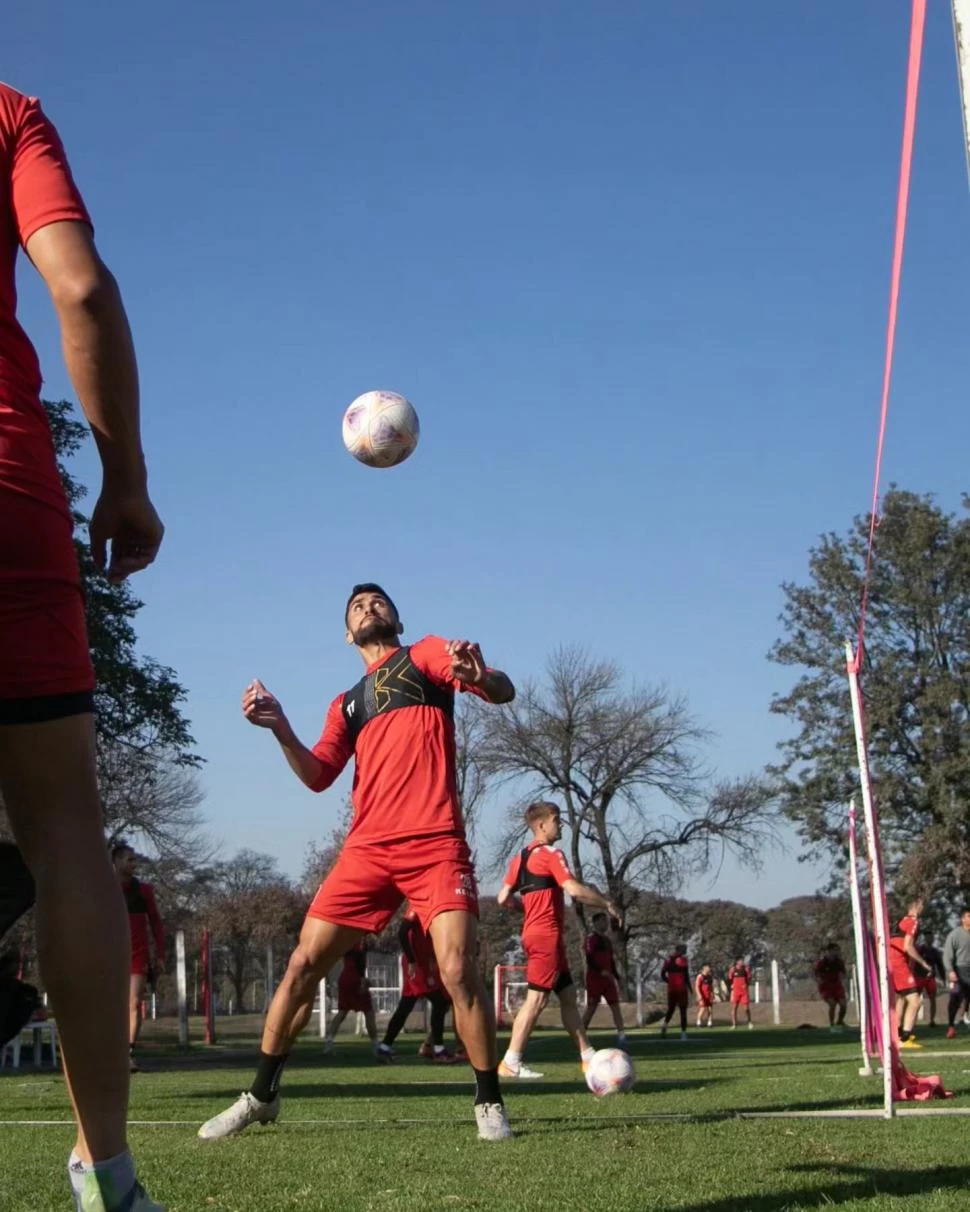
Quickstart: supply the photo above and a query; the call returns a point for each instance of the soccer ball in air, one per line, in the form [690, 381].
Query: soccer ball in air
[381, 428]
[610, 1072]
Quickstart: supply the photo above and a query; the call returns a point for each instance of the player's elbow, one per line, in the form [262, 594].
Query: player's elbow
[87, 287]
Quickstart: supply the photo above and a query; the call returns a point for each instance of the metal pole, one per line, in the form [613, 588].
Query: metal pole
[323, 1008]
[878, 890]
[639, 993]
[497, 993]
[775, 994]
[270, 976]
[961, 37]
[182, 986]
[860, 954]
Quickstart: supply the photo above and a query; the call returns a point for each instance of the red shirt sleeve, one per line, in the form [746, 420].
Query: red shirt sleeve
[42, 189]
[548, 860]
[430, 655]
[513, 872]
[334, 749]
[154, 919]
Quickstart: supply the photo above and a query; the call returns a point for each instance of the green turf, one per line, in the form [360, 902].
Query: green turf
[402, 1139]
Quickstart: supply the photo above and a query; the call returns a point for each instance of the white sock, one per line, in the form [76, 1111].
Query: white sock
[513, 1059]
[587, 1054]
[115, 1177]
[438, 1049]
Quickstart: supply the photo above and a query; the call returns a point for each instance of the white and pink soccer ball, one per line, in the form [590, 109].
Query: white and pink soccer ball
[610, 1072]
[381, 428]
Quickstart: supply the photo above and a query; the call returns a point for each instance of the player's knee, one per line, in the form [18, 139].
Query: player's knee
[301, 974]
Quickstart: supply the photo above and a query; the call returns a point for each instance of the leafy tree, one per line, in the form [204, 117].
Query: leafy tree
[916, 682]
[798, 928]
[641, 812]
[249, 904]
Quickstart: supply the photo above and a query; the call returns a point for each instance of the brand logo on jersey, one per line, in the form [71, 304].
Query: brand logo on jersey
[466, 885]
[350, 707]
[394, 676]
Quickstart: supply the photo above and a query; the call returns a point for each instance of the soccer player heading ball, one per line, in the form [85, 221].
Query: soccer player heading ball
[406, 840]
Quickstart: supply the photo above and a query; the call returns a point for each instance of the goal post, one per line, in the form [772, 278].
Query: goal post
[509, 988]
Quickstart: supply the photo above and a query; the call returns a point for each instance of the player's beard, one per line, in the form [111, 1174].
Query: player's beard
[375, 631]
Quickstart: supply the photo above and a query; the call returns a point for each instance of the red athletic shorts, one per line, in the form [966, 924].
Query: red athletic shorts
[547, 968]
[45, 666]
[418, 981]
[601, 985]
[831, 993]
[741, 998]
[929, 986]
[352, 993]
[901, 977]
[370, 882]
[676, 998]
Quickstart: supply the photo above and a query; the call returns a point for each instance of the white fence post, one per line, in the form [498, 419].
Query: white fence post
[323, 1008]
[775, 994]
[182, 985]
[639, 994]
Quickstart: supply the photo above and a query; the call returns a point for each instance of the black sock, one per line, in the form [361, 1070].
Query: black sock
[904, 1035]
[269, 1071]
[486, 1086]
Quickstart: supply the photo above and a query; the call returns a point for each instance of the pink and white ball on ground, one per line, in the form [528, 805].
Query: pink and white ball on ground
[610, 1072]
[381, 428]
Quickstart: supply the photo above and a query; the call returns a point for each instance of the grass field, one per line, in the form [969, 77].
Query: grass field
[355, 1137]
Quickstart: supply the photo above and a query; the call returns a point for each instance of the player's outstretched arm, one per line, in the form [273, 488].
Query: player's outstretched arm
[589, 896]
[507, 899]
[468, 666]
[264, 711]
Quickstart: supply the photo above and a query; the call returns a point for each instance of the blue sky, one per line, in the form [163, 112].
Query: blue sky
[629, 261]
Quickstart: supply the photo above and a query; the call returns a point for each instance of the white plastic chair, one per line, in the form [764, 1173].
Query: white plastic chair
[42, 1031]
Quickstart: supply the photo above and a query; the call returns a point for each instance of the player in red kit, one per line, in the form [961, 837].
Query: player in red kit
[739, 982]
[406, 840]
[353, 996]
[602, 982]
[420, 980]
[146, 929]
[540, 875]
[704, 993]
[676, 974]
[48, 772]
[830, 979]
[906, 969]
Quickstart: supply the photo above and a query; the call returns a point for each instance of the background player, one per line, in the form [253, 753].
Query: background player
[146, 929]
[602, 980]
[956, 963]
[353, 996]
[420, 980]
[929, 985]
[541, 876]
[406, 840]
[739, 983]
[704, 992]
[905, 965]
[676, 975]
[830, 980]
[48, 772]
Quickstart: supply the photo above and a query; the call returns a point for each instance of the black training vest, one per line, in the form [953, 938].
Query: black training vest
[135, 898]
[527, 881]
[396, 683]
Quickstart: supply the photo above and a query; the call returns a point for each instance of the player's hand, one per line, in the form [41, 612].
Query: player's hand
[615, 914]
[467, 663]
[262, 708]
[125, 532]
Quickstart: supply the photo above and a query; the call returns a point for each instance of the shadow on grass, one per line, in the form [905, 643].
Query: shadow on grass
[442, 1085]
[841, 1185]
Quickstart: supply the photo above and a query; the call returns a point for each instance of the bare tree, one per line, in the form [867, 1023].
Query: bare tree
[640, 808]
[470, 735]
[153, 803]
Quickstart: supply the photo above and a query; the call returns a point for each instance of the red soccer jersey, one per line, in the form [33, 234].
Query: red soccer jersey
[355, 962]
[704, 987]
[739, 979]
[36, 189]
[599, 954]
[540, 886]
[908, 928]
[403, 742]
[676, 973]
[144, 919]
[829, 971]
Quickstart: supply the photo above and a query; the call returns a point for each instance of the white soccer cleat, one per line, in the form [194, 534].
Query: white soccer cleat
[750, 1026]
[244, 1111]
[91, 1200]
[683, 1037]
[493, 1122]
[517, 1072]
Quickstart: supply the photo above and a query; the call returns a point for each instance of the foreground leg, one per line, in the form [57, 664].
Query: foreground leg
[49, 785]
[454, 935]
[321, 945]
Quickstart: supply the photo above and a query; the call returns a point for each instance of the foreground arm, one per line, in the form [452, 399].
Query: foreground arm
[589, 896]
